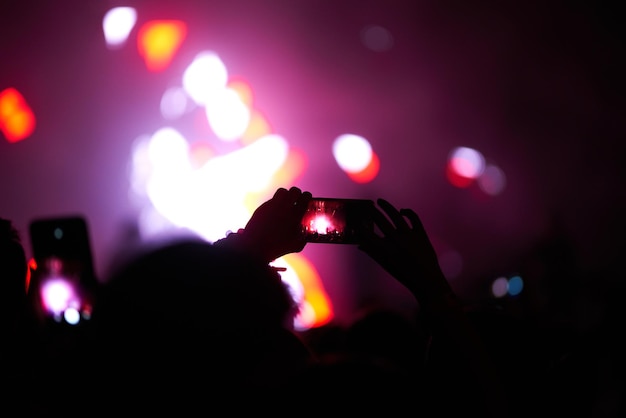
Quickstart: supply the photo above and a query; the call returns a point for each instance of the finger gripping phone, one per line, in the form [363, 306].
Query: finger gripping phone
[337, 221]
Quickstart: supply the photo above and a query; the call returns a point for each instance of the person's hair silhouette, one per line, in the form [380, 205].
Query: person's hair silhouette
[13, 268]
[193, 312]
[18, 328]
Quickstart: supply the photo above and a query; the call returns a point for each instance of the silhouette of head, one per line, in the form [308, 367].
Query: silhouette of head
[189, 310]
[13, 268]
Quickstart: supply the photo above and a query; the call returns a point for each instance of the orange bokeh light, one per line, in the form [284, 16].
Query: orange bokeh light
[293, 167]
[159, 40]
[9, 102]
[17, 120]
[243, 90]
[314, 293]
[257, 127]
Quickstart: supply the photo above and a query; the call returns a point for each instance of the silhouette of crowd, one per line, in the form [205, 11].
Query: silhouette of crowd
[192, 327]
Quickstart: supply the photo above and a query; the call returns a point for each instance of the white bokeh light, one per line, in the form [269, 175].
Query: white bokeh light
[117, 24]
[500, 287]
[57, 294]
[210, 200]
[353, 153]
[205, 76]
[467, 162]
[71, 316]
[168, 151]
[227, 114]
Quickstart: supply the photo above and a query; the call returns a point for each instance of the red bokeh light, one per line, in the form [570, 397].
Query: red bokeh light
[369, 173]
[457, 179]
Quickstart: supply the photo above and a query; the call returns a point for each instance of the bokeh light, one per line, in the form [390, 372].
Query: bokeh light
[376, 38]
[464, 166]
[227, 114]
[492, 181]
[174, 103]
[57, 294]
[500, 287]
[200, 152]
[243, 89]
[117, 25]
[159, 40]
[257, 127]
[369, 173]
[205, 75]
[353, 153]
[515, 286]
[71, 316]
[355, 156]
[315, 306]
[17, 120]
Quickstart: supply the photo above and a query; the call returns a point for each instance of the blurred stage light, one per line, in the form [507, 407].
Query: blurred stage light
[243, 89]
[464, 166]
[159, 40]
[117, 25]
[295, 164]
[369, 173]
[208, 199]
[257, 127]
[57, 295]
[503, 286]
[352, 152]
[17, 120]
[174, 103]
[354, 155]
[71, 316]
[516, 285]
[500, 287]
[492, 181]
[301, 275]
[227, 114]
[204, 76]
[376, 38]
[168, 151]
[200, 153]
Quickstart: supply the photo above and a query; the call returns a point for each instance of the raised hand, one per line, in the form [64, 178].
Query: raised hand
[404, 250]
[274, 229]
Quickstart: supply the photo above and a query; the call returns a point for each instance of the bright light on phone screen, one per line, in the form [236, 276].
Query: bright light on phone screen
[321, 224]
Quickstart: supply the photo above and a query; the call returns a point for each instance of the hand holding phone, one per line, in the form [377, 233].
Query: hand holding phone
[64, 279]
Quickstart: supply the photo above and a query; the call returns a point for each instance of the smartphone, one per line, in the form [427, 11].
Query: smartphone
[64, 277]
[337, 221]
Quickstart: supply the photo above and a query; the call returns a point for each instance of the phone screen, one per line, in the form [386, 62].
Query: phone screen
[64, 277]
[337, 221]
